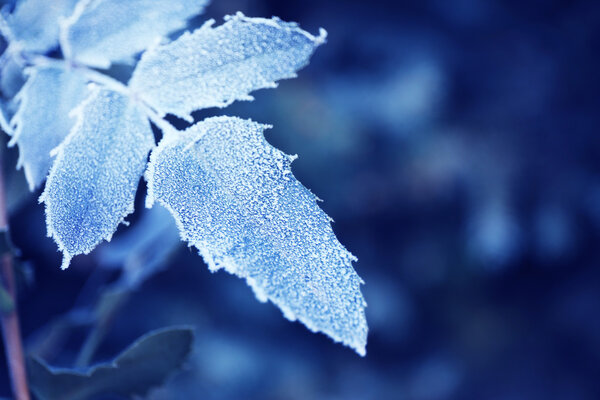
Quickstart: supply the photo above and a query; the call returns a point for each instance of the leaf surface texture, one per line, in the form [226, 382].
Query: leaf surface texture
[235, 198]
[212, 67]
[92, 183]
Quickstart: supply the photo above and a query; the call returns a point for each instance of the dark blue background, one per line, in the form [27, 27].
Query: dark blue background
[455, 144]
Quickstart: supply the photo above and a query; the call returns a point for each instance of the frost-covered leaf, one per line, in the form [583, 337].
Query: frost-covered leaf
[34, 24]
[235, 198]
[146, 364]
[42, 121]
[212, 67]
[101, 32]
[92, 184]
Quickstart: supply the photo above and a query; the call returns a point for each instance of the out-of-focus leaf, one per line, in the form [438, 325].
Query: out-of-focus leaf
[141, 251]
[146, 364]
[102, 32]
[43, 118]
[11, 75]
[235, 198]
[34, 25]
[213, 67]
[92, 184]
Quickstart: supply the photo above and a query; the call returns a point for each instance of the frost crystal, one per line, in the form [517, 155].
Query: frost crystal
[213, 67]
[92, 184]
[235, 198]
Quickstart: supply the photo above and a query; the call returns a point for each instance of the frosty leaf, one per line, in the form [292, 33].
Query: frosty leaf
[34, 23]
[234, 197]
[101, 32]
[212, 67]
[146, 364]
[42, 121]
[92, 183]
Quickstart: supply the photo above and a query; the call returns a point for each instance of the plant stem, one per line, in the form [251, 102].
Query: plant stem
[10, 318]
[110, 302]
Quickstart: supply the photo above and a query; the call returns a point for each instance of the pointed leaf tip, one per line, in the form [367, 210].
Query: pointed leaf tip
[66, 261]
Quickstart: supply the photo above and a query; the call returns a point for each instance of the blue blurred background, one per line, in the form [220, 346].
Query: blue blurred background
[455, 145]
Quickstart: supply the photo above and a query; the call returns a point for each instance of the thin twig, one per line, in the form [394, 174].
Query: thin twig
[10, 318]
[112, 303]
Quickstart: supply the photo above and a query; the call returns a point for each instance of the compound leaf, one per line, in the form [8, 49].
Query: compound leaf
[92, 183]
[146, 364]
[212, 67]
[102, 32]
[42, 120]
[235, 198]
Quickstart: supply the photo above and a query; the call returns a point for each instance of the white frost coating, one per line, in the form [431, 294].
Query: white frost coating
[235, 198]
[42, 120]
[213, 67]
[92, 183]
[34, 23]
[101, 32]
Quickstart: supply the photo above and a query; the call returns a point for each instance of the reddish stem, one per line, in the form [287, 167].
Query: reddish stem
[10, 320]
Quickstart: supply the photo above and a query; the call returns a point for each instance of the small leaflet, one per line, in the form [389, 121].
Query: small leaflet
[102, 32]
[34, 24]
[234, 197]
[92, 184]
[43, 119]
[213, 67]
